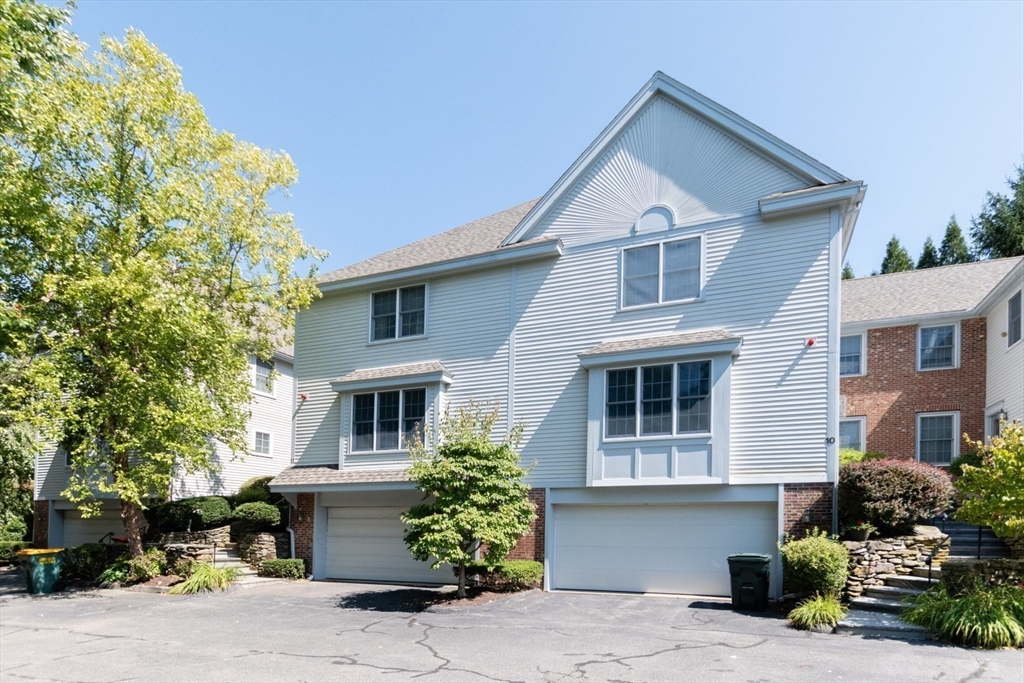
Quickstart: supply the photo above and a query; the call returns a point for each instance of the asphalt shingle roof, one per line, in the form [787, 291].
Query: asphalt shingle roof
[392, 371]
[660, 342]
[330, 474]
[478, 237]
[930, 291]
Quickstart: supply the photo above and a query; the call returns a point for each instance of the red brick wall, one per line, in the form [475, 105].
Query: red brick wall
[304, 529]
[811, 500]
[531, 546]
[892, 392]
[41, 524]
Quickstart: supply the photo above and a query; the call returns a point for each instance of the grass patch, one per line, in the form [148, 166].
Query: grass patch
[983, 617]
[821, 610]
[205, 578]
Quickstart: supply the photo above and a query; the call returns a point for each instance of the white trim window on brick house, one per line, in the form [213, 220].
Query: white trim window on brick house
[262, 443]
[936, 437]
[937, 347]
[263, 376]
[387, 420]
[398, 313]
[851, 355]
[668, 271]
[1014, 323]
[851, 433]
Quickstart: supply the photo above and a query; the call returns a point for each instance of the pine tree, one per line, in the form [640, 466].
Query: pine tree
[929, 255]
[999, 230]
[896, 258]
[848, 271]
[954, 247]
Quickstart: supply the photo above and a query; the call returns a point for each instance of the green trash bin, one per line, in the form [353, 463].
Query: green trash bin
[42, 568]
[749, 573]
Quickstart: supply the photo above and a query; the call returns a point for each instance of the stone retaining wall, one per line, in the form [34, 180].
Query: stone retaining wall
[1016, 546]
[959, 574]
[871, 559]
[254, 548]
[176, 552]
[219, 535]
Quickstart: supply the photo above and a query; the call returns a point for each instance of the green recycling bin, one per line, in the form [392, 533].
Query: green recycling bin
[42, 568]
[749, 573]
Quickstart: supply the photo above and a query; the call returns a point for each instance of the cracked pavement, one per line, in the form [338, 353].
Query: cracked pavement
[356, 632]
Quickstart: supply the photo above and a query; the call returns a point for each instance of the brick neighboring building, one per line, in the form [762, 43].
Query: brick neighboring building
[929, 355]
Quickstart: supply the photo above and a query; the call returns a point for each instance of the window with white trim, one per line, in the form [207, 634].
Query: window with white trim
[674, 399]
[387, 420]
[661, 273]
[936, 437]
[851, 354]
[398, 313]
[261, 444]
[1013, 320]
[264, 376]
[851, 434]
[936, 347]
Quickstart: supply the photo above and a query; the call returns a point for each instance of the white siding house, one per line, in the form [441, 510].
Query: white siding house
[270, 422]
[663, 321]
[1004, 385]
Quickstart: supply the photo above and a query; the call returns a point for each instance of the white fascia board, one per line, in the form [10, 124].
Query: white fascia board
[1009, 282]
[393, 382]
[728, 121]
[845, 195]
[284, 356]
[662, 353]
[943, 318]
[502, 256]
[328, 488]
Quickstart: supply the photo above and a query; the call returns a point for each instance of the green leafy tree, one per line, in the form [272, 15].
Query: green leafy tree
[142, 246]
[993, 494]
[847, 271]
[929, 255]
[999, 229]
[954, 248]
[896, 258]
[476, 491]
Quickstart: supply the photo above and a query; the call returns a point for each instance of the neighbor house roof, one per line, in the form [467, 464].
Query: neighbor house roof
[922, 293]
[478, 237]
[320, 475]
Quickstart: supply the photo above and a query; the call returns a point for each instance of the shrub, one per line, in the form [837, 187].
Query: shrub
[993, 494]
[88, 561]
[253, 495]
[984, 617]
[202, 513]
[972, 458]
[814, 564]
[205, 578]
[821, 610]
[257, 516]
[893, 495]
[851, 455]
[9, 550]
[283, 569]
[152, 564]
[507, 575]
[13, 528]
[118, 572]
[256, 485]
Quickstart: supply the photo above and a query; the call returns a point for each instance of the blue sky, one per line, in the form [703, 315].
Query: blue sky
[406, 119]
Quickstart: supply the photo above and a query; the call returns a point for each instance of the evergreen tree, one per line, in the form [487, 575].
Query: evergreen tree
[999, 230]
[848, 271]
[954, 247]
[929, 255]
[896, 258]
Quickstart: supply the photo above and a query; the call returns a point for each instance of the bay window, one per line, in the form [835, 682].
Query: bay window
[674, 399]
[387, 420]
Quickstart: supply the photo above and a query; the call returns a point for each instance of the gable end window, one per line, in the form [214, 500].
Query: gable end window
[1013, 320]
[936, 347]
[851, 355]
[661, 273]
[674, 399]
[387, 420]
[264, 378]
[936, 437]
[398, 313]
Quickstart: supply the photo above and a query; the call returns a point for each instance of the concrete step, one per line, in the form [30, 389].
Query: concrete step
[891, 592]
[916, 583]
[922, 572]
[254, 581]
[878, 624]
[877, 604]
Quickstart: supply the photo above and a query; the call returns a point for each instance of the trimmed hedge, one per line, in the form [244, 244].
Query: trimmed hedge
[814, 564]
[203, 513]
[513, 575]
[257, 516]
[9, 550]
[893, 495]
[282, 569]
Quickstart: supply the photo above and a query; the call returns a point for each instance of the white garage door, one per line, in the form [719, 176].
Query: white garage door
[365, 544]
[78, 530]
[657, 548]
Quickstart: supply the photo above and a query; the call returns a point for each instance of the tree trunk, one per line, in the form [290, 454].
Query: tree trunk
[462, 581]
[130, 515]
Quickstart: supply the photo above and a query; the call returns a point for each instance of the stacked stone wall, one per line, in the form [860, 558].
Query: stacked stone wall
[871, 561]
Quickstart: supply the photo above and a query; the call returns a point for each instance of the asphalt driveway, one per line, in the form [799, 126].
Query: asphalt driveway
[354, 632]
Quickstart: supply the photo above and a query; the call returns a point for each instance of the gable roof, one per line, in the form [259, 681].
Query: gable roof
[922, 293]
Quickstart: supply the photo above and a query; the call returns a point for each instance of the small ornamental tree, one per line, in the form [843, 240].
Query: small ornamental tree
[476, 493]
[993, 494]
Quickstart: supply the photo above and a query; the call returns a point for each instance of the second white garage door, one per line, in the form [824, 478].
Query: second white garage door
[657, 548]
[78, 530]
[365, 544]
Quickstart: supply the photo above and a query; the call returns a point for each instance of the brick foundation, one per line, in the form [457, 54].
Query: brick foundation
[41, 524]
[304, 528]
[893, 391]
[531, 546]
[811, 500]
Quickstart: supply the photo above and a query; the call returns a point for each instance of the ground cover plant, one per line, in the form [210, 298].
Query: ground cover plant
[507, 574]
[984, 617]
[892, 495]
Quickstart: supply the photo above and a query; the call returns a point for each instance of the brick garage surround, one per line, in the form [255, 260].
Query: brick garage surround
[812, 500]
[305, 505]
[41, 524]
[893, 391]
[531, 546]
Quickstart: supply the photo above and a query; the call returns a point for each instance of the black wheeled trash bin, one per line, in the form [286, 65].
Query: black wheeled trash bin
[42, 568]
[749, 573]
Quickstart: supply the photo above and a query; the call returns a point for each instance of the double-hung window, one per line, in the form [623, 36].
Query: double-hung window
[261, 444]
[851, 433]
[661, 273]
[398, 313]
[674, 399]
[936, 347]
[264, 377]
[387, 420]
[936, 437]
[1013, 320]
[851, 355]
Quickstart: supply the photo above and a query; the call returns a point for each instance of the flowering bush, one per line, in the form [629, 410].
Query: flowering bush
[892, 495]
